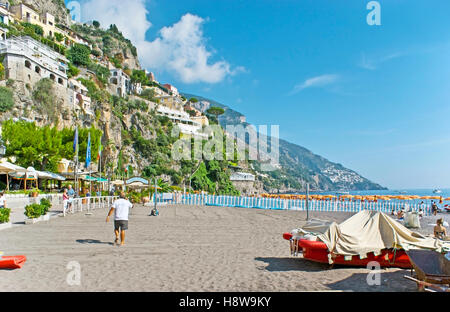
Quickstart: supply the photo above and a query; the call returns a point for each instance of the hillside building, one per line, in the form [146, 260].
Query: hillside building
[29, 61]
[172, 89]
[171, 102]
[188, 126]
[24, 13]
[120, 82]
[244, 182]
[78, 97]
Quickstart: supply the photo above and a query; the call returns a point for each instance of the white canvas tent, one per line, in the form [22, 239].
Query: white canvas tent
[367, 232]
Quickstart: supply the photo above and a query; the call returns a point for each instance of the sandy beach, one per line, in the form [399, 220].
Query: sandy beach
[186, 248]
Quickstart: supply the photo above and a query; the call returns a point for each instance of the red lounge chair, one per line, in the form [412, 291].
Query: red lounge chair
[12, 262]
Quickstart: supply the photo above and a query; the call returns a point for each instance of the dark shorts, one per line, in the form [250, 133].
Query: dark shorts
[120, 225]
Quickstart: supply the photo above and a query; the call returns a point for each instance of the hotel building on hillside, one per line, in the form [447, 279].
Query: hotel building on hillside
[28, 61]
[188, 126]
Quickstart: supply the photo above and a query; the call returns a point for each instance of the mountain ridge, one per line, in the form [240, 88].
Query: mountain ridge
[299, 165]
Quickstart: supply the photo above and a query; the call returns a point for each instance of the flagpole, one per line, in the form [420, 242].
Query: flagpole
[101, 183]
[76, 162]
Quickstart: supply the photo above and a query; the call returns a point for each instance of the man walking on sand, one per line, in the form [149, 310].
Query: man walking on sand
[121, 208]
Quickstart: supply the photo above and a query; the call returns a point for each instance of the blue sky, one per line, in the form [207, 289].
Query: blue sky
[373, 98]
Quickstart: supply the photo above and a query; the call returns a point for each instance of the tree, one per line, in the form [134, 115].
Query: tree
[149, 94]
[45, 97]
[139, 76]
[193, 100]
[42, 148]
[96, 24]
[59, 37]
[73, 71]
[79, 55]
[215, 112]
[6, 99]
[96, 53]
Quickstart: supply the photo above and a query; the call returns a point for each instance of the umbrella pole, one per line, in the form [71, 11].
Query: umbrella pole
[7, 182]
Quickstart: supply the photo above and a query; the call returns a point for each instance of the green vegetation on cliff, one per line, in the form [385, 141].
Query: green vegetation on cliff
[43, 147]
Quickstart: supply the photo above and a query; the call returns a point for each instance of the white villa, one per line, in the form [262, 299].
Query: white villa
[78, 96]
[28, 60]
[188, 127]
[120, 82]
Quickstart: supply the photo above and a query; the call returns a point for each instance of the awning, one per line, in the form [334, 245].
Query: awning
[7, 167]
[137, 185]
[50, 176]
[94, 179]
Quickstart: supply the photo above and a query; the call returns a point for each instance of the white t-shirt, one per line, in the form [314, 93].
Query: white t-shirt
[121, 209]
[2, 201]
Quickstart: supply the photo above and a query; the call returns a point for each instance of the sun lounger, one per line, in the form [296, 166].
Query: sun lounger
[430, 267]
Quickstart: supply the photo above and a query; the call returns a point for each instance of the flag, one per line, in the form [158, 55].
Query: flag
[100, 147]
[75, 140]
[88, 152]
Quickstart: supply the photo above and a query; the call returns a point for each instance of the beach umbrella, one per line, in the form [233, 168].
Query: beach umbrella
[447, 199]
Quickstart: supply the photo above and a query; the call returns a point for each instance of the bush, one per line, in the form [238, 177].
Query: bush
[6, 99]
[79, 55]
[73, 71]
[4, 215]
[46, 205]
[2, 72]
[34, 211]
[96, 53]
[59, 37]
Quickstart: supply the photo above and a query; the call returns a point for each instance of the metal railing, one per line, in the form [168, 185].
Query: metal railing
[299, 205]
[87, 204]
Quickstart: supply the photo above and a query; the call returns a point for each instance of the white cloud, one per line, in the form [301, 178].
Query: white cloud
[179, 49]
[129, 17]
[374, 63]
[318, 81]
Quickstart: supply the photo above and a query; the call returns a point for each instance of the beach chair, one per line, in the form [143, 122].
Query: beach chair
[430, 267]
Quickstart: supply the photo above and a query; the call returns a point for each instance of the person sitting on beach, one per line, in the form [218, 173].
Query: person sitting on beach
[420, 212]
[2, 200]
[401, 214]
[121, 208]
[439, 230]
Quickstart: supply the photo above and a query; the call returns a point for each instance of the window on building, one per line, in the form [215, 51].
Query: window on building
[52, 77]
[37, 69]
[27, 64]
[60, 81]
